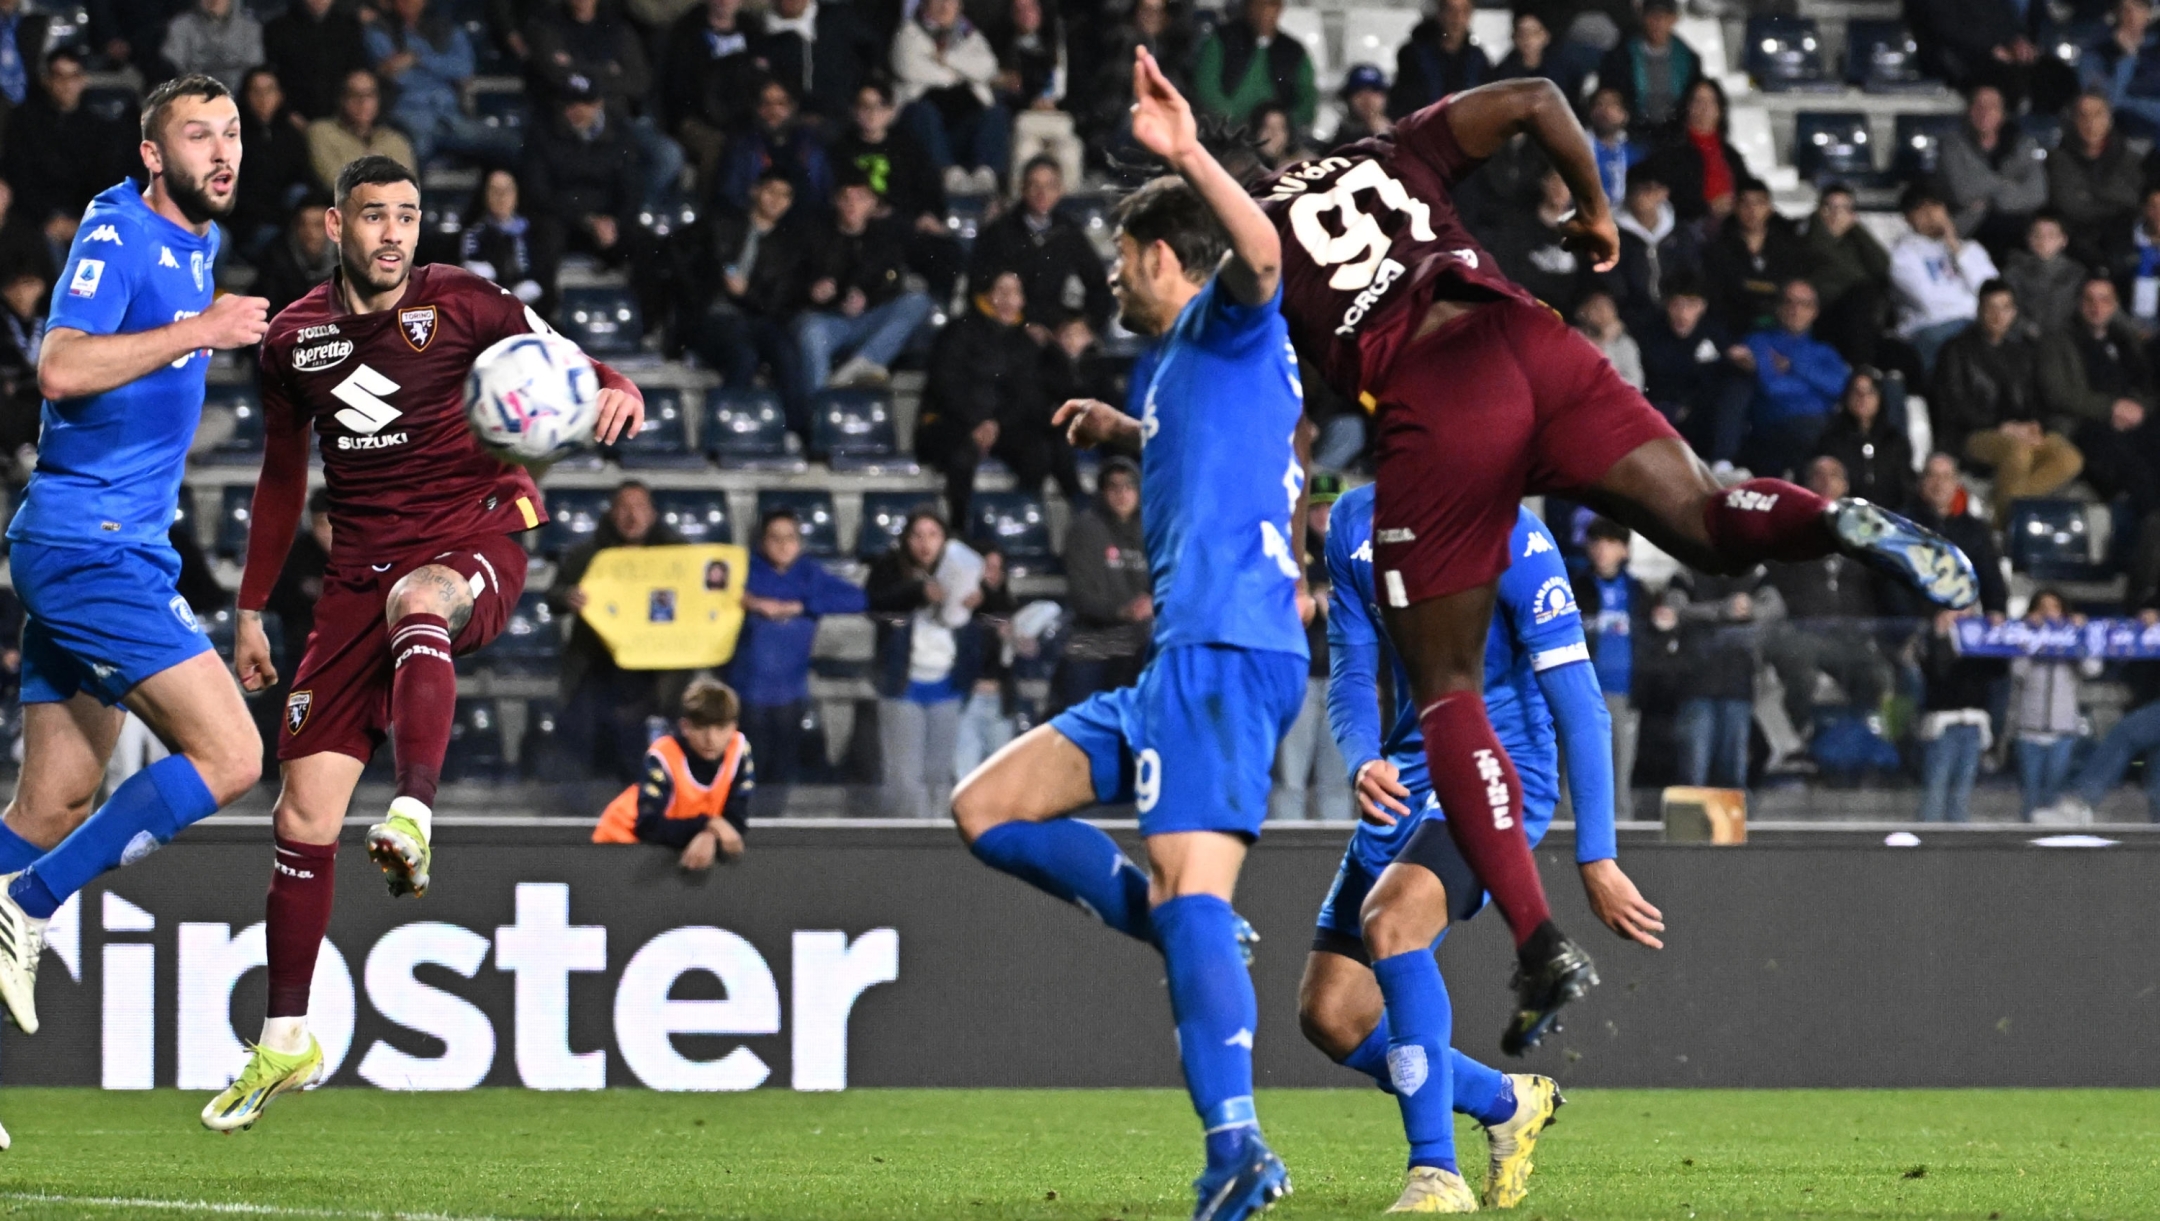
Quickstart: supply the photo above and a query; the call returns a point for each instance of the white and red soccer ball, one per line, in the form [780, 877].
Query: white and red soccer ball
[533, 399]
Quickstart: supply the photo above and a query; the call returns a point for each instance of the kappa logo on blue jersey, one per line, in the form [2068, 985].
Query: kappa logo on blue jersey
[1363, 554]
[105, 233]
[1554, 599]
[165, 258]
[89, 273]
[1537, 546]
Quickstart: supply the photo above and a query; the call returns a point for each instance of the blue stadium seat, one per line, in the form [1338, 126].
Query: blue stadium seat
[664, 441]
[964, 218]
[814, 506]
[699, 516]
[1019, 524]
[1093, 214]
[603, 321]
[543, 753]
[184, 515]
[111, 103]
[230, 540]
[1833, 144]
[747, 430]
[1785, 54]
[500, 108]
[2048, 540]
[442, 214]
[488, 57]
[1881, 57]
[1919, 144]
[476, 744]
[573, 515]
[884, 517]
[530, 643]
[245, 446]
[854, 430]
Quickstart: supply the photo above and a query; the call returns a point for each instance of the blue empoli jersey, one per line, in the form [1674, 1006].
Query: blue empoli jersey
[1535, 627]
[109, 465]
[1220, 476]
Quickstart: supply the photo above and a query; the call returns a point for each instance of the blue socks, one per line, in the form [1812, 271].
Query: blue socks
[16, 853]
[1482, 1092]
[142, 815]
[1370, 1057]
[1211, 995]
[1418, 1060]
[1077, 863]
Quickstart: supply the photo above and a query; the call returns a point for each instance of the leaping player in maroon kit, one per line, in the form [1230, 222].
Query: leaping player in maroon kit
[423, 566]
[1484, 396]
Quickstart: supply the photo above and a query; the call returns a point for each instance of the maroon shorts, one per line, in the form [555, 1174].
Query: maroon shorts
[1503, 402]
[340, 699]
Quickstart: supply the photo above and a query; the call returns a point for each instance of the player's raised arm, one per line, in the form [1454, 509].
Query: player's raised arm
[1487, 117]
[74, 363]
[1163, 124]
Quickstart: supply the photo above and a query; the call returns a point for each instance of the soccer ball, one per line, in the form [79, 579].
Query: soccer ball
[532, 399]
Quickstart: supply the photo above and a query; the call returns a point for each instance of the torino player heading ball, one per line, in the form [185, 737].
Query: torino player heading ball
[423, 566]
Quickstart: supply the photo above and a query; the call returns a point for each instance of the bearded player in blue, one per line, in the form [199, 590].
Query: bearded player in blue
[1372, 997]
[1191, 743]
[125, 353]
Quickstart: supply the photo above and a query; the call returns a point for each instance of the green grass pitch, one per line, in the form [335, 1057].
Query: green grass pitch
[1062, 1155]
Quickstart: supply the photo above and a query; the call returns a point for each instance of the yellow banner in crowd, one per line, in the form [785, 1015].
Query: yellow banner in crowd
[667, 608]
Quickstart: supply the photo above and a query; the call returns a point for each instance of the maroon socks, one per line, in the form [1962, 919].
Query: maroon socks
[1768, 519]
[1482, 798]
[423, 701]
[302, 882]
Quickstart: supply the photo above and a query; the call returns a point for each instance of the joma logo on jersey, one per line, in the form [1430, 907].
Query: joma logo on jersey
[418, 323]
[316, 332]
[1749, 501]
[1389, 272]
[321, 356]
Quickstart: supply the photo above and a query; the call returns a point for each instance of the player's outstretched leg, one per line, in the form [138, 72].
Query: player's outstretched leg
[1402, 917]
[428, 607]
[65, 748]
[193, 705]
[1011, 811]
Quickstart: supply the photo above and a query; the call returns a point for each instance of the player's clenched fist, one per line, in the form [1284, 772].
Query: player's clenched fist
[234, 321]
[621, 412]
[251, 654]
[1091, 422]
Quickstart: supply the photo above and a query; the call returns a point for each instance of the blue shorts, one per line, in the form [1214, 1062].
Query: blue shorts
[100, 619]
[1192, 743]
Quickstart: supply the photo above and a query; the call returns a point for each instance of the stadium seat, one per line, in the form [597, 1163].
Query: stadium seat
[500, 107]
[664, 441]
[1493, 29]
[1784, 55]
[573, 515]
[1019, 524]
[1881, 57]
[1752, 135]
[854, 430]
[1833, 144]
[230, 540]
[746, 430]
[476, 744]
[442, 214]
[1919, 144]
[543, 753]
[2049, 540]
[814, 507]
[245, 446]
[1373, 35]
[1706, 35]
[184, 515]
[700, 516]
[110, 103]
[1307, 26]
[530, 643]
[884, 517]
[1092, 212]
[964, 218]
[603, 321]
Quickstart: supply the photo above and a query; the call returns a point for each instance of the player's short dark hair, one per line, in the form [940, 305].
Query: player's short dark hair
[1918, 195]
[772, 173]
[67, 51]
[156, 107]
[1993, 286]
[877, 85]
[1607, 529]
[707, 701]
[1645, 174]
[1683, 283]
[1751, 186]
[783, 513]
[1837, 188]
[2051, 216]
[1169, 211]
[373, 170]
[1043, 161]
[1121, 466]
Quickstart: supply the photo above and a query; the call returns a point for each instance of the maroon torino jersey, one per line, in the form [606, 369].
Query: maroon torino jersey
[385, 393]
[1370, 237]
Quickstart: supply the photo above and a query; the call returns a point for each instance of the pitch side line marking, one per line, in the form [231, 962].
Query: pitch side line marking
[251, 1210]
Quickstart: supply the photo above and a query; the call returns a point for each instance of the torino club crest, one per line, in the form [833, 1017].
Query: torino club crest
[418, 323]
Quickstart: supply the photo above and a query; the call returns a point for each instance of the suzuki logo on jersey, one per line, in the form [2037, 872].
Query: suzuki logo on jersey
[1390, 271]
[165, 258]
[105, 233]
[1538, 545]
[1554, 599]
[364, 411]
[88, 274]
[418, 323]
[321, 356]
[1357, 254]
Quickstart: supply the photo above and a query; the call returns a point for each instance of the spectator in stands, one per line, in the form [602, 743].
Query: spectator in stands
[2136, 736]
[1654, 70]
[860, 306]
[1109, 589]
[1827, 604]
[277, 163]
[1612, 601]
[583, 188]
[1248, 62]
[1754, 255]
[2044, 279]
[2134, 260]
[1700, 164]
[1598, 318]
[988, 397]
[1031, 84]
[910, 190]
[1798, 379]
[1080, 369]
[300, 582]
[300, 256]
[929, 652]
[1874, 455]
[1536, 252]
[1609, 143]
[1275, 137]
[1686, 376]
[2094, 179]
[2097, 383]
[1441, 58]
[1986, 405]
[1955, 728]
[2004, 43]
[760, 261]
[1721, 620]
[26, 294]
[216, 38]
[497, 241]
[1166, 29]
[576, 43]
[22, 245]
[942, 70]
[1935, 275]
[695, 794]
[824, 49]
[2043, 720]
[1058, 266]
[2124, 67]
[59, 154]
[355, 132]
[429, 61]
[1654, 247]
[1851, 273]
[1364, 96]
[785, 596]
[605, 706]
[1532, 54]
[1994, 175]
[989, 718]
[776, 139]
[708, 78]
[314, 46]
[1943, 507]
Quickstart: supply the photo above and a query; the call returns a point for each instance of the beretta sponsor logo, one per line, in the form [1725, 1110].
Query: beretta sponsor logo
[321, 356]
